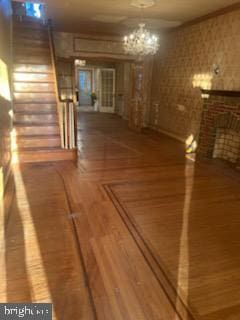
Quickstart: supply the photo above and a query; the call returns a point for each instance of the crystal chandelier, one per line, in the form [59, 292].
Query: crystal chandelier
[141, 42]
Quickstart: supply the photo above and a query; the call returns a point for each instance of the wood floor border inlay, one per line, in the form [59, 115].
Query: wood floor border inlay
[77, 243]
[184, 310]
[120, 168]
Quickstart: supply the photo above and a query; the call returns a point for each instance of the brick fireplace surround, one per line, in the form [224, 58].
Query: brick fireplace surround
[220, 126]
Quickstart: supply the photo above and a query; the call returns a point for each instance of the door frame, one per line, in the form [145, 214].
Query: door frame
[102, 108]
[92, 82]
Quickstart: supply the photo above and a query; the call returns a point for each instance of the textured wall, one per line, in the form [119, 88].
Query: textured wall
[185, 62]
[5, 99]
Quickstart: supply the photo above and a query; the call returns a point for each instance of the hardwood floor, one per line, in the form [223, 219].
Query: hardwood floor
[134, 231]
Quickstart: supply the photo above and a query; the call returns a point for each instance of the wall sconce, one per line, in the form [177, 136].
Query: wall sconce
[181, 108]
[216, 69]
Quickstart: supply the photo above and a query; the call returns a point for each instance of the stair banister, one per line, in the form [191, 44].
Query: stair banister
[59, 104]
[69, 123]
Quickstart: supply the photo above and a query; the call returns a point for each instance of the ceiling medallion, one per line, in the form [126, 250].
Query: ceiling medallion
[141, 42]
[142, 3]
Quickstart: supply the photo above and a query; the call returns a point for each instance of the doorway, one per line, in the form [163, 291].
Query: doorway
[85, 77]
[96, 87]
[107, 90]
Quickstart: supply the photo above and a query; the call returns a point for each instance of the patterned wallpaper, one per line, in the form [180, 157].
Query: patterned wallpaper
[184, 63]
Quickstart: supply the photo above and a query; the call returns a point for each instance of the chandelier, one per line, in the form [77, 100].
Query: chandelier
[141, 42]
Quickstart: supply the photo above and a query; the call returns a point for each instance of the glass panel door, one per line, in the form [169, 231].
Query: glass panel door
[107, 90]
[85, 87]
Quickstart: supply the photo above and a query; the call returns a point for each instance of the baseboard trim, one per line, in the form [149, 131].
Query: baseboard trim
[167, 133]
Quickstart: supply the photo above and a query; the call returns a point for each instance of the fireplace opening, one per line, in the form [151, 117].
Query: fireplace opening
[227, 145]
[219, 135]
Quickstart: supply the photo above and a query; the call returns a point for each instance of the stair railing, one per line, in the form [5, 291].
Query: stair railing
[69, 123]
[66, 107]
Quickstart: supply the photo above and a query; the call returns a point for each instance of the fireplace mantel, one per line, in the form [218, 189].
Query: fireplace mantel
[221, 93]
[220, 117]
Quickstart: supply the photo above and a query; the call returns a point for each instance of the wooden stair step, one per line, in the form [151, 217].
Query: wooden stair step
[36, 43]
[47, 148]
[30, 35]
[45, 155]
[34, 97]
[39, 141]
[27, 19]
[29, 25]
[32, 25]
[26, 130]
[35, 107]
[33, 87]
[33, 51]
[32, 68]
[32, 77]
[35, 118]
[37, 58]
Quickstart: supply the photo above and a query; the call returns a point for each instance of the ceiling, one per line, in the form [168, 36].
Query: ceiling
[117, 16]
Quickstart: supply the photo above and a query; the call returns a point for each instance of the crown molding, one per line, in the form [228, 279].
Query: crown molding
[211, 15]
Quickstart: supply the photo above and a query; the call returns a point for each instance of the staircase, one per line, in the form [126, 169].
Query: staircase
[35, 100]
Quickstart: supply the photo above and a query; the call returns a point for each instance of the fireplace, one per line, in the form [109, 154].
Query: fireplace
[227, 145]
[220, 126]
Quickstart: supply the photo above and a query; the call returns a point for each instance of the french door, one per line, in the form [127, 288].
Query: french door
[85, 87]
[107, 90]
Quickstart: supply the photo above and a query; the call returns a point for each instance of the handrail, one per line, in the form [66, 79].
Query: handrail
[66, 108]
[53, 55]
[53, 59]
